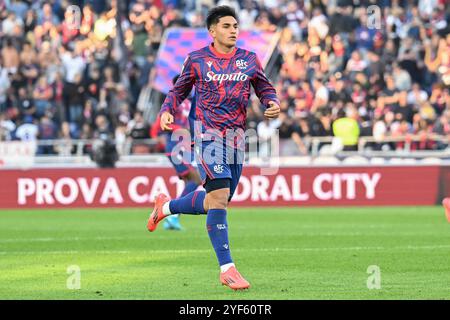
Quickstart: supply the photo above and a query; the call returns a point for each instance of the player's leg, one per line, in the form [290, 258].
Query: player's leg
[190, 203]
[216, 202]
[191, 181]
[236, 171]
[232, 273]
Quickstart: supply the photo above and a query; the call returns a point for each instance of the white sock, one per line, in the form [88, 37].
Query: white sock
[225, 267]
[166, 209]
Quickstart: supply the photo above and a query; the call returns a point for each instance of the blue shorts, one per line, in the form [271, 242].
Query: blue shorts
[225, 165]
[181, 158]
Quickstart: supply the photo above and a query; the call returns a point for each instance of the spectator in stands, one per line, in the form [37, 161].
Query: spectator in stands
[7, 127]
[340, 92]
[405, 109]
[25, 103]
[397, 76]
[390, 95]
[416, 96]
[4, 85]
[121, 135]
[336, 57]
[47, 131]
[64, 147]
[247, 15]
[402, 79]
[46, 16]
[137, 128]
[103, 129]
[347, 129]
[355, 65]
[266, 131]
[30, 21]
[321, 94]
[11, 23]
[442, 127]
[291, 142]
[317, 24]
[28, 130]
[10, 55]
[29, 71]
[321, 123]
[73, 63]
[73, 100]
[42, 95]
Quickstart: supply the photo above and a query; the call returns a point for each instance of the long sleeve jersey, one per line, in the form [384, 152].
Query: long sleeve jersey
[222, 88]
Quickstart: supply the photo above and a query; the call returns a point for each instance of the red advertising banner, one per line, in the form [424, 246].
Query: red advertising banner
[137, 187]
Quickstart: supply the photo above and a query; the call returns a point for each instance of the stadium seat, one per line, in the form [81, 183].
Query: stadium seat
[337, 145]
[326, 150]
[431, 160]
[297, 161]
[288, 148]
[377, 161]
[141, 149]
[326, 160]
[403, 161]
[255, 161]
[410, 161]
[395, 161]
[356, 160]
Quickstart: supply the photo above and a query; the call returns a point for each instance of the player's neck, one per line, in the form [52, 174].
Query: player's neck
[223, 49]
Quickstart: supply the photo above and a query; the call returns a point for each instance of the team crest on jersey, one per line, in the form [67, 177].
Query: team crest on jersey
[241, 64]
[218, 168]
[209, 63]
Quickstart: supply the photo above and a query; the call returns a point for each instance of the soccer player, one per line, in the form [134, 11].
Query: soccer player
[179, 157]
[222, 75]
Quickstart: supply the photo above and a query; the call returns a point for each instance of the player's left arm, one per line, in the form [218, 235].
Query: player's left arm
[265, 92]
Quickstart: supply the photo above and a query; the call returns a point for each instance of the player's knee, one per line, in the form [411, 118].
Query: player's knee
[217, 193]
[217, 199]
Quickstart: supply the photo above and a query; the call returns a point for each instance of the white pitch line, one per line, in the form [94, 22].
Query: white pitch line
[159, 237]
[427, 247]
[64, 252]
[12, 240]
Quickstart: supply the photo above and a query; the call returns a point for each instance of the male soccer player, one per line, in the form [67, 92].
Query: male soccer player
[222, 75]
[179, 157]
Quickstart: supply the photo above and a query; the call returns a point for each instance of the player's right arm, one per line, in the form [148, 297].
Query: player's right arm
[177, 94]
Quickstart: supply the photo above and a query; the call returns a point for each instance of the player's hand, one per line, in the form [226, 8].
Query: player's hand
[273, 111]
[166, 121]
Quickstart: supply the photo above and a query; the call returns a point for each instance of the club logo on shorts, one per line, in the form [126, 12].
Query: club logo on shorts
[241, 64]
[218, 168]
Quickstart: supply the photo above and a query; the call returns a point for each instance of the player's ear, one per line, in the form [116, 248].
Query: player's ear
[212, 30]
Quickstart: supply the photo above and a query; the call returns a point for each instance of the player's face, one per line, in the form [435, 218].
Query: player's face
[226, 31]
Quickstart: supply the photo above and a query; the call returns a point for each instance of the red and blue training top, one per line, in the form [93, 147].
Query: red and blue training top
[222, 87]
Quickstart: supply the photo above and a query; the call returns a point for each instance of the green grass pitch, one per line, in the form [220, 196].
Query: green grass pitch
[285, 253]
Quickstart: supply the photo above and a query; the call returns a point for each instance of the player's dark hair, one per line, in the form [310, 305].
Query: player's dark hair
[216, 13]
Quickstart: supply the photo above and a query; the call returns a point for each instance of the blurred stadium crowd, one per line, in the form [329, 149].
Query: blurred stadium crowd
[344, 72]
